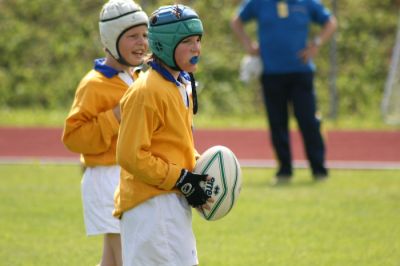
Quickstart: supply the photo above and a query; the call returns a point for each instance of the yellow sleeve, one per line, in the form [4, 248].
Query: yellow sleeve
[86, 130]
[134, 153]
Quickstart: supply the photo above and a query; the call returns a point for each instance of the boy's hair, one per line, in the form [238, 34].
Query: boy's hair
[169, 25]
[116, 17]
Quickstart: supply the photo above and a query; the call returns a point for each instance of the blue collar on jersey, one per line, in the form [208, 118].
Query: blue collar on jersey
[99, 65]
[166, 74]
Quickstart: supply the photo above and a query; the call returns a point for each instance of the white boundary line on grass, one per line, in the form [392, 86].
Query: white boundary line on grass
[38, 160]
[243, 162]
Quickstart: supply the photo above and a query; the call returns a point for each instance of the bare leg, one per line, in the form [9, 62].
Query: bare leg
[111, 250]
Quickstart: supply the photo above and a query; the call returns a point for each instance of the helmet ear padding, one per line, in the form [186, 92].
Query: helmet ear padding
[169, 25]
[158, 46]
[116, 17]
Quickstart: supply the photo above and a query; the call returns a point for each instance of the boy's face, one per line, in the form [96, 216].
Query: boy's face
[133, 45]
[187, 49]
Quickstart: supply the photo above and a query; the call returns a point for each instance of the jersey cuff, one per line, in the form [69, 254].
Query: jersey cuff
[172, 176]
[113, 121]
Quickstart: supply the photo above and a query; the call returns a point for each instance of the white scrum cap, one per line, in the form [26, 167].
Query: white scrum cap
[116, 17]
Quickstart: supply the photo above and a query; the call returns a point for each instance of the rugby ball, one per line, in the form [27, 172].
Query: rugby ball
[221, 164]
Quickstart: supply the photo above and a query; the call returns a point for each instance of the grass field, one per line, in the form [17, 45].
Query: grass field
[55, 118]
[352, 219]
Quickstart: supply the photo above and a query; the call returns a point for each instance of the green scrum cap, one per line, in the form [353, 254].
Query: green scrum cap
[169, 25]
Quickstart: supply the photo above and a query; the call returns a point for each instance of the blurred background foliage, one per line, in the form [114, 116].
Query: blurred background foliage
[47, 46]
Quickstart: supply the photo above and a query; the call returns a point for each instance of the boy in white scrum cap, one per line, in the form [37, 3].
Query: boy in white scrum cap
[92, 125]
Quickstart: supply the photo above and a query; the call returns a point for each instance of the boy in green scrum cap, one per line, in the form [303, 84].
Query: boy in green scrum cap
[156, 148]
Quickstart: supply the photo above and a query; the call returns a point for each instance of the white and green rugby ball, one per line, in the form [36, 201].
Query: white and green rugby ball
[221, 164]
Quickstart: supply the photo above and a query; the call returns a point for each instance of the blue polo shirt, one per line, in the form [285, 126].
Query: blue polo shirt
[281, 39]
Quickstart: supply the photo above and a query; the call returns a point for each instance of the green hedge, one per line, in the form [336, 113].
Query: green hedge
[47, 46]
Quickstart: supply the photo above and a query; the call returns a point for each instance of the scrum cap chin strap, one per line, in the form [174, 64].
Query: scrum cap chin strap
[194, 93]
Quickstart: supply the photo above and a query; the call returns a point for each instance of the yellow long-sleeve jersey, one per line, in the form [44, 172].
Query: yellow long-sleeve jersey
[155, 140]
[91, 127]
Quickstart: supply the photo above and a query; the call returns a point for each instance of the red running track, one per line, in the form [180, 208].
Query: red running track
[345, 149]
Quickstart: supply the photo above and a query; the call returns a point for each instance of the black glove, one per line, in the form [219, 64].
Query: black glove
[189, 184]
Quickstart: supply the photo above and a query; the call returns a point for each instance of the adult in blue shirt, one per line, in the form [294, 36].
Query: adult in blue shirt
[288, 72]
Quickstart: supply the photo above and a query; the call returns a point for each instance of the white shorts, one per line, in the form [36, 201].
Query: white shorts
[159, 232]
[98, 187]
